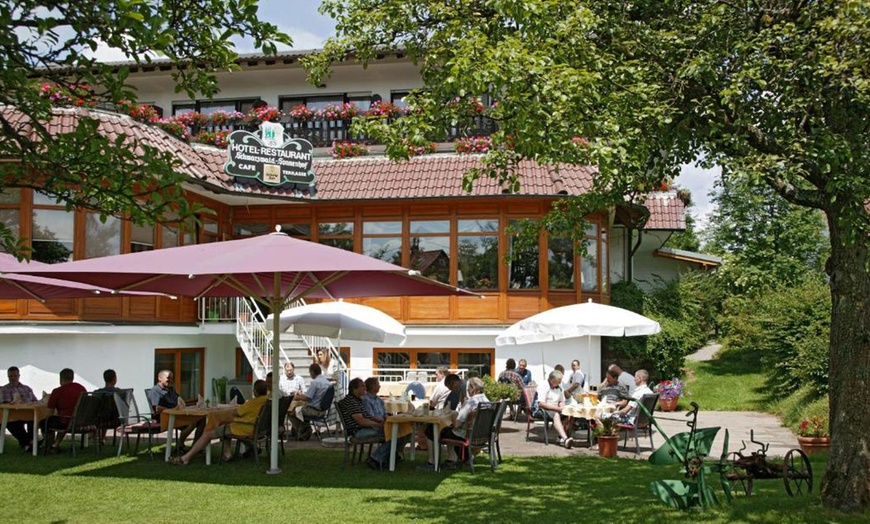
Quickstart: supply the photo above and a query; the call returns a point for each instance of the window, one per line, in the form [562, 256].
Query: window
[243, 105]
[479, 360]
[10, 212]
[430, 248]
[242, 230]
[478, 253]
[383, 240]
[297, 229]
[52, 230]
[560, 262]
[243, 367]
[141, 238]
[102, 239]
[188, 365]
[589, 265]
[178, 232]
[398, 98]
[336, 234]
[524, 267]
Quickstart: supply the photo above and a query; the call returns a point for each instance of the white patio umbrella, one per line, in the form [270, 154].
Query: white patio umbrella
[577, 320]
[342, 320]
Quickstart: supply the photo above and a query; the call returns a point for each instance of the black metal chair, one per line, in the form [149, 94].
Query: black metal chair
[532, 416]
[496, 427]
[357, 443]
[262, 428]
[641, 423]
[322, 420]
[131, 422]
[478, 435]
[85, 421]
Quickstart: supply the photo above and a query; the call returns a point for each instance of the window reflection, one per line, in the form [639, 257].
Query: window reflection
[478, 254]
[560, 257]
[102, 239]
[52, 235]
[430, 248]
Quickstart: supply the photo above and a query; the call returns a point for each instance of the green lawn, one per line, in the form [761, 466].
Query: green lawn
[314, 488]
[734, 381]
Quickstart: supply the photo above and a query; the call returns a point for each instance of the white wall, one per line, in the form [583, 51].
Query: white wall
[41, 356]
[650, 272]
[540, 357]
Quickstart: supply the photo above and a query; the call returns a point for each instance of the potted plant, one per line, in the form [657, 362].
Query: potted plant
[669, 392]
[496, 391]
[606, 433]
[813, 435]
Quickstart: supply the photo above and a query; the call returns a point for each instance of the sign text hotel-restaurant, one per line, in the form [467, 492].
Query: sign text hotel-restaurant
[268, 158]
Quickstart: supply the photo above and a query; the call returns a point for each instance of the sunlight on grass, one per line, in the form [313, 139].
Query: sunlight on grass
[314, 487]
[733, 381]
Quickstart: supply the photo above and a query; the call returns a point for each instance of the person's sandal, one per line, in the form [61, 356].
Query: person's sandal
[177, 461]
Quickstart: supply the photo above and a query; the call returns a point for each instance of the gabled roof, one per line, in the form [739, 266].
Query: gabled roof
[361, 179]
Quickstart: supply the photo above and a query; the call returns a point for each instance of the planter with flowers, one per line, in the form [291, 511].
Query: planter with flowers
[301, 113]
[472, 145]
[419, 147]
[68, 96]
[143, 113]
[606, 433]
[258, 115]
[225, 118]
[813, 435]
[343, 149]
[383, 110]
[669, 392]
[332, 112]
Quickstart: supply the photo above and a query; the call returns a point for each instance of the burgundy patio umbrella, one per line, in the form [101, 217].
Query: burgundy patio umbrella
[13, 286]
[274, 269]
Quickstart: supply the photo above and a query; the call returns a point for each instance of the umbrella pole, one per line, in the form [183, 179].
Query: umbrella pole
[277, 306]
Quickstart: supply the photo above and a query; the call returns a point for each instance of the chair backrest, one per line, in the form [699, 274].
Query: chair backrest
[328, 397]
[263, 425]
[417, 389]
[499, 416]
[341, 422]
[480, 430]
[108, 414]
[529, 393]
[219, 389]
[122, 404]
[87, 410]
[283, 406]
[151, 407]
[649, 402]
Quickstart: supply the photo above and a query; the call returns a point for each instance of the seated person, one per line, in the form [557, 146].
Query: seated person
[611, 391]
[510, 375]
[373, 407]
[440, 397]
[627, 412]
[357, 424]
[308, 403]
[456, 430]
[14, 392]
[244, 419]
[63, 400]
[551, 399]
[291, 383]
[162, 397]
[111, 379]
[624, 378]
[523, 372]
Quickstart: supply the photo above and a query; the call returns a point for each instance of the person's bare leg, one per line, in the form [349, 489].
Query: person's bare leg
[199, 445]
[560, 429]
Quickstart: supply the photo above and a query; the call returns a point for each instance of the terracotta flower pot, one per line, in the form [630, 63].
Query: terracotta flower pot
[812, 445]
[607, 445]
[668, 404]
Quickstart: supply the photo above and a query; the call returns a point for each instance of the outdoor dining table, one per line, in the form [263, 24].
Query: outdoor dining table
[214, 416]
[589, 411]
[406, 423]
[35, 411]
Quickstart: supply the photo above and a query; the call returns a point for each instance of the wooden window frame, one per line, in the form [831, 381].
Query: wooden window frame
[177, 365]
[454, 355]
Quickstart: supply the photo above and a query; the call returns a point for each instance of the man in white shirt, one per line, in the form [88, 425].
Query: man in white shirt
[551, 399]
[628, 411]
[576, 381]
[290, 383]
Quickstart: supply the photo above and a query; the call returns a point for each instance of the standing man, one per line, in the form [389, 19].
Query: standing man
[63, 400]
[308, 403]
[524, 373]
[290, 383]
[162, 397]
[13, 392]
[624, 378]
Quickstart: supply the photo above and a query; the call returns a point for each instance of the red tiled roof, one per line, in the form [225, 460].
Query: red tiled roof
[370, 178]
[666, 211]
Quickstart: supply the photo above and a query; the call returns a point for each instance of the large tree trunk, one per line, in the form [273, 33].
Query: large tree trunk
[846, 484]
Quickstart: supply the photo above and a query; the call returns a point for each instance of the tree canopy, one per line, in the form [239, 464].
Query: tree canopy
[776, 92]
[53, 44]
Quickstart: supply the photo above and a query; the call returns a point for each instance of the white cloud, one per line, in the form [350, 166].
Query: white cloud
[700, 182]
[105, 53]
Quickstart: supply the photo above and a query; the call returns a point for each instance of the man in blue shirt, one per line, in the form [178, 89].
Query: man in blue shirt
[373, 406]
[308, 403]
[524, 373]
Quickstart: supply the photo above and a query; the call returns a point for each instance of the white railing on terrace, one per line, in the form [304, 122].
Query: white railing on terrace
[217, 309]
[402, 374]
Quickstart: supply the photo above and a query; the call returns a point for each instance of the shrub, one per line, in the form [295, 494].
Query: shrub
[496, 391]
[667, 350]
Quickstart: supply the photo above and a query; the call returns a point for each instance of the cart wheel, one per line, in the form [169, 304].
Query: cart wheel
[738, 481]
[797, 473]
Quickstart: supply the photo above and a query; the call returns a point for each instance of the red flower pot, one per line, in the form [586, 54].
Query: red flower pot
[607, 445]
[668, 404]
[813, 445]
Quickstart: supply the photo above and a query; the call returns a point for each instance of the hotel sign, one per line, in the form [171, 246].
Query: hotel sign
[268, 158]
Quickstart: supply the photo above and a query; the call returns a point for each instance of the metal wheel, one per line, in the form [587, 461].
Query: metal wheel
[797, 473]
[737, 479]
